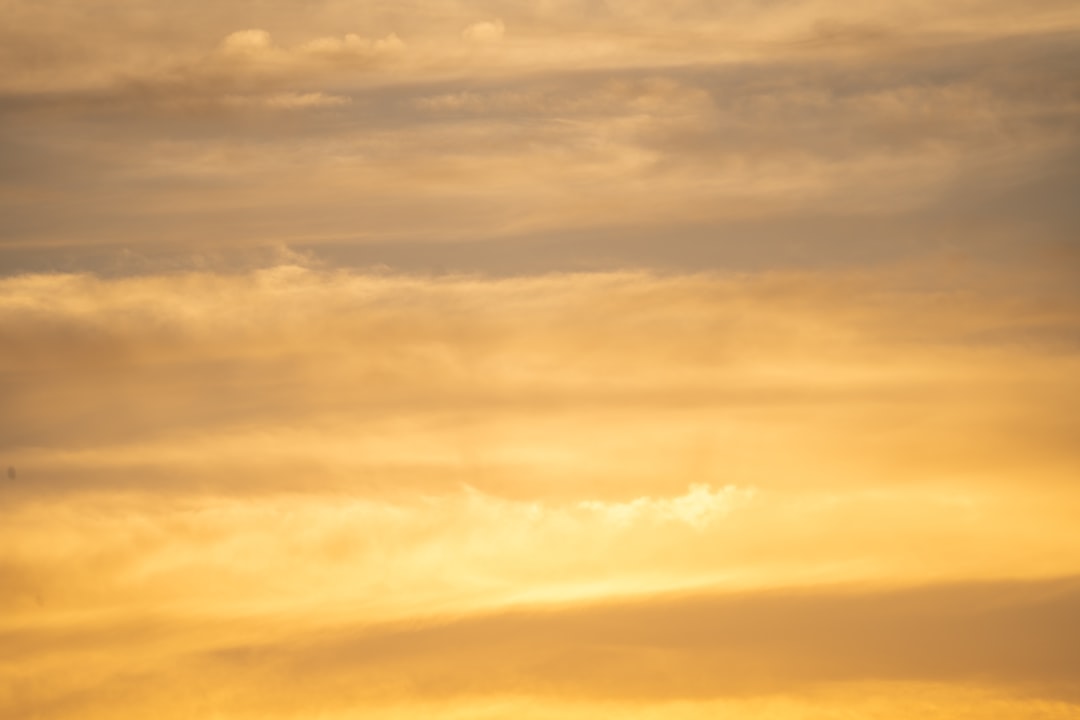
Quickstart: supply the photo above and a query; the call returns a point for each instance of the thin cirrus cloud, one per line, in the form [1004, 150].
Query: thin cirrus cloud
[564, 359]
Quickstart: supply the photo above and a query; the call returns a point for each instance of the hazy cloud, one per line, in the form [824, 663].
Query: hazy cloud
[539, 360]
[484, 32]
[815, 647]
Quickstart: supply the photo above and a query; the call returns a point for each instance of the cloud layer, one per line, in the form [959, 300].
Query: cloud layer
[566, 359]
[339, 451]
[569, 137]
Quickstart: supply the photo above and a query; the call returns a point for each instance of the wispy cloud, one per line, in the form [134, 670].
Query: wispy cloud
[559, 359]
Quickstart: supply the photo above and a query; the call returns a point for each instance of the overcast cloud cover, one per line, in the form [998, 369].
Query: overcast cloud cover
[565, 359]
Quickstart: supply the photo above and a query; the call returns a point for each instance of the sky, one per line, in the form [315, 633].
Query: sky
[575, 359]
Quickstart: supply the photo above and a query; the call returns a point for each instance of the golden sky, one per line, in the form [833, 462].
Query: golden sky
[569, 359]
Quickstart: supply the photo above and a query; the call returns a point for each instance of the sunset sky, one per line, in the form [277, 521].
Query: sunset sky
[475, 359]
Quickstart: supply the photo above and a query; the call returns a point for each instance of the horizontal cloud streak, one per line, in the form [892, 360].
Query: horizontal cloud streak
[998, 633]
[1012, 636]
[300, 346]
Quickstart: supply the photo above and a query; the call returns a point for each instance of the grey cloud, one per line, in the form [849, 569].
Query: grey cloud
[405, 174]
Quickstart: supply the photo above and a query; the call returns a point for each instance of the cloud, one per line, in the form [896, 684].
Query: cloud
[256, 44]
[1008, 633]
[362, 359]
[485, 32]
[461, 440]
[962, 649]
[305, 344]
[783, 160]
[65, 46]
[247, 41]
[697, 508]
[289, 100]
[252, 56]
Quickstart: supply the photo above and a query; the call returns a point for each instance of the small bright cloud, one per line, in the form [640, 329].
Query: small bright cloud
[321, 49]
[246, 41]
[390, 43]
[697, 508]
[485, 32]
